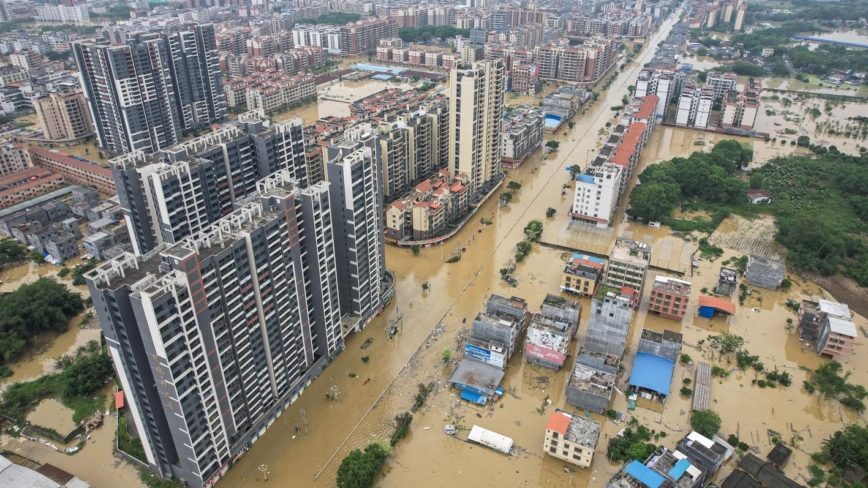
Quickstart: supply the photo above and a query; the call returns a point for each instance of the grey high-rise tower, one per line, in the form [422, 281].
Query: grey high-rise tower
[214, 337]
[145, 92]
[184, 188]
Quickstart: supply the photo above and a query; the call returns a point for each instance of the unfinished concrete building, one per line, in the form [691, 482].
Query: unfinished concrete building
[495, 333]
[608, 323]
[628, 265]
[765, 272]
[727, 282]
[812, 315]
[568, 311]
[592, 381]
[666, 345]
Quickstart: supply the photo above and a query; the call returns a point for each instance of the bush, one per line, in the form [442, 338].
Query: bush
[743, 446]
[63, 272]
[685, 358]
[686, 391]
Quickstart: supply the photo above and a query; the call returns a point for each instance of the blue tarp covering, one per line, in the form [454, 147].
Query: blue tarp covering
[589, 258]
[678, 470]
[646, 475]
[584, 178]
[473, 397]
[707, 312]
[652, 372]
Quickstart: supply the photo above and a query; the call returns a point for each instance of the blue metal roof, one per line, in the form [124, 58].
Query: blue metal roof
[473, 397]
[651, 478]
[678, 470]
[652, 372]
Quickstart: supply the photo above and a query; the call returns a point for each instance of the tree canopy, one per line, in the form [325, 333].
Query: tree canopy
[706, 422]
[704, 176]
[360, 469]
[332, 18]
[11, 251]
[42, 306]
[428, 32]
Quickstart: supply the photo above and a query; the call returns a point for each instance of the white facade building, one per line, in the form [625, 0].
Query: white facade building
[62, 13]
[596, 194]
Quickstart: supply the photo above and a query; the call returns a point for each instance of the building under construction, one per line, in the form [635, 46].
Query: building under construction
[608, 323]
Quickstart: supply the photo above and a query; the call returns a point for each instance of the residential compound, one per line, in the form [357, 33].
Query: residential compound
[600, 187]
[269, 90]
[427, 210]
[185, 188]
[363, 37]
[27, 183]
[571, 437]
[144, 93]
[253, 275]
[248, 313]
[583, 64]
[740, 110]
[614, 24]
[523, 130]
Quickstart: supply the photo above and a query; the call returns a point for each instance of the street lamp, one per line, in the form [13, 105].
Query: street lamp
[263, 468]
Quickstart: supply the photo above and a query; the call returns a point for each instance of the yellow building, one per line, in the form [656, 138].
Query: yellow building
[571, 438]
[581, 275]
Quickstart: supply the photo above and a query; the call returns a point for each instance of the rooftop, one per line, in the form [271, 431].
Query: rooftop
[672, 285]
[476, 374]
[843, 327]
[630, 251]
[573, 428]
[594, 373]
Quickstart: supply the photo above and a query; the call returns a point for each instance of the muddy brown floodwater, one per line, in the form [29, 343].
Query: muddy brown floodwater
[433, 319]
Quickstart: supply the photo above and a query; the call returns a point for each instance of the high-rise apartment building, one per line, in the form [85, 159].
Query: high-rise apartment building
[63, 115]
[183, 189]
[364, 36]
[145, 92]
[476, 114]
[195, 68]
[353, 169]
[214, 337]
[740, 13]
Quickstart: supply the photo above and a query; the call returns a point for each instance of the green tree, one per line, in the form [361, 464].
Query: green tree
[803, 141]
[36, 257]
[446, 355]
[550, 212]
[726, 342]
[533, 230]
[506, 197]
[575, 170]
[513, 186]
[522, 249]
[415, 248]
[360, 469]
[706, 422]
[571, 124]
[86, 375]
[653, 201]
[553, 144]
[11, 251]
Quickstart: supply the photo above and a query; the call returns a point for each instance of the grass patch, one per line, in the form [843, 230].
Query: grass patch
[128, 443]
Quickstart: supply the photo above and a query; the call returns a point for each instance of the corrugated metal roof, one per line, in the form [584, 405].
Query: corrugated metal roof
[652, 372]
[490, 439]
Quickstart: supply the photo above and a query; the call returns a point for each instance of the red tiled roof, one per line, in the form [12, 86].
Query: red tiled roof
[65, 159]
[647, 106]
[717, 304]
[559, 422]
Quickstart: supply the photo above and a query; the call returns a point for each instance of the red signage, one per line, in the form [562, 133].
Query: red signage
[546, 354]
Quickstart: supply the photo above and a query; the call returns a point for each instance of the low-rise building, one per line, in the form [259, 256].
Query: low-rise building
[592, 381]
[628, 265]
[664, 469]
[708, 454]
[582, 274]
[571, 438]
[836, 337]
[26, 184]
[522, 134]
[13, 157]
[562, 105]
[812, 316]
[669, 297]
[548, 341]
[765, 272]
[495, 333]
[727, 281]
[74, 169]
